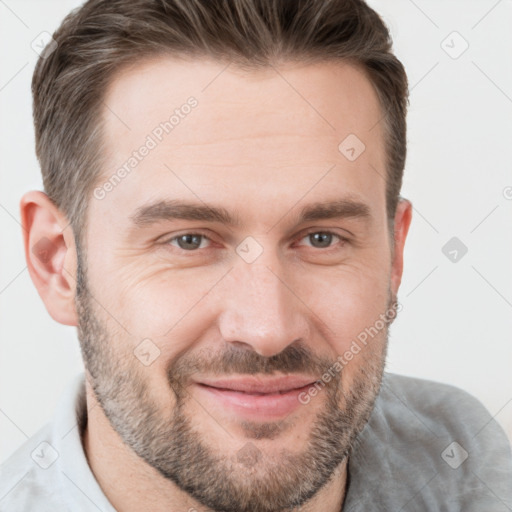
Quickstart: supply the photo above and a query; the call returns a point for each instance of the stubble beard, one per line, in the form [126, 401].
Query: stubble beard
[250, 479]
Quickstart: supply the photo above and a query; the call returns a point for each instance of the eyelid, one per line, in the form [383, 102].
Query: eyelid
[165, 239]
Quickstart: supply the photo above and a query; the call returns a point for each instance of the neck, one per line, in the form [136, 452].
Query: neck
[131, 484]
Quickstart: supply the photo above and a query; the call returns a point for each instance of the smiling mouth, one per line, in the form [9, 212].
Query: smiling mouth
[259, 393]
[254, 393]
[254, 397]
[258, 385]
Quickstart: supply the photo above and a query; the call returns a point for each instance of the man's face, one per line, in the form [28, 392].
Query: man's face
[185, 337]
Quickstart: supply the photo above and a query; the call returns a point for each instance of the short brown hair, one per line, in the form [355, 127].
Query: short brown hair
[97, 39]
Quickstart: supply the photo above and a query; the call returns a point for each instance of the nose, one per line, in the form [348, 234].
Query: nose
[261, 309]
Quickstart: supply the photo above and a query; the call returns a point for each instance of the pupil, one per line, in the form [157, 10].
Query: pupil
[189, 241]
[323, 238]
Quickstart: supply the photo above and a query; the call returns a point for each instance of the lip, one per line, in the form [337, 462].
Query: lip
[256, 398]
[255, 385]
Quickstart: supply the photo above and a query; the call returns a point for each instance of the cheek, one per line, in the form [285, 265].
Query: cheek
[349, 302]
[161, 303]
[354, 310]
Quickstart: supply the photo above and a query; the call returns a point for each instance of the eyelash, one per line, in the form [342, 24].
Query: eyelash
[341, 239]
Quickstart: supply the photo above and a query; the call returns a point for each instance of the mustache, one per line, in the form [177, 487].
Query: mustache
[295, 358]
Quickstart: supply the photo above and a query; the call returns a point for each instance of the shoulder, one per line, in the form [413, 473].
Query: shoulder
[50, 470]
[445, 420]
[28, 481]
[430, 446]
[441, 408]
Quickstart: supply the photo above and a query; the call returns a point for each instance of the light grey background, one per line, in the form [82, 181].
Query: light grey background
[457, 316]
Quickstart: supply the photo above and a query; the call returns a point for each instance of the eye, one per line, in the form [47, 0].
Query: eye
[189, 241]
[323, 239]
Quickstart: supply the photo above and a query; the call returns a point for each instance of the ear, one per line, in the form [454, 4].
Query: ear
[51, 255]
[402, 222]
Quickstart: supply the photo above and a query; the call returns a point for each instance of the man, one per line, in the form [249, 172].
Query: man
[222, 222]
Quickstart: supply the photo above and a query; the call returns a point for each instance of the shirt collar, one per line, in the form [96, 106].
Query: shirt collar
[70, 421]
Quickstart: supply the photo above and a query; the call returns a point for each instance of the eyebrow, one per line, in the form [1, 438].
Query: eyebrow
[165, 210]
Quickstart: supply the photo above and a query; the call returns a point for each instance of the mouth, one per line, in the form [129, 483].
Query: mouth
[256, 398]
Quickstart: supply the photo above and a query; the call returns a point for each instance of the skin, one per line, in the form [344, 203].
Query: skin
[263, 150]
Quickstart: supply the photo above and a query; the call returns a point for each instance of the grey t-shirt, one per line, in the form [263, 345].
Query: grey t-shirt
[427, 447]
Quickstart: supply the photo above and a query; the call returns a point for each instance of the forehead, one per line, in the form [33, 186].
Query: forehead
[268, 133]
[328, 97]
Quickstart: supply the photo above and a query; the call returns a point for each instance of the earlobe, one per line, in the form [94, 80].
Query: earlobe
[403, 217]
[50, 253]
